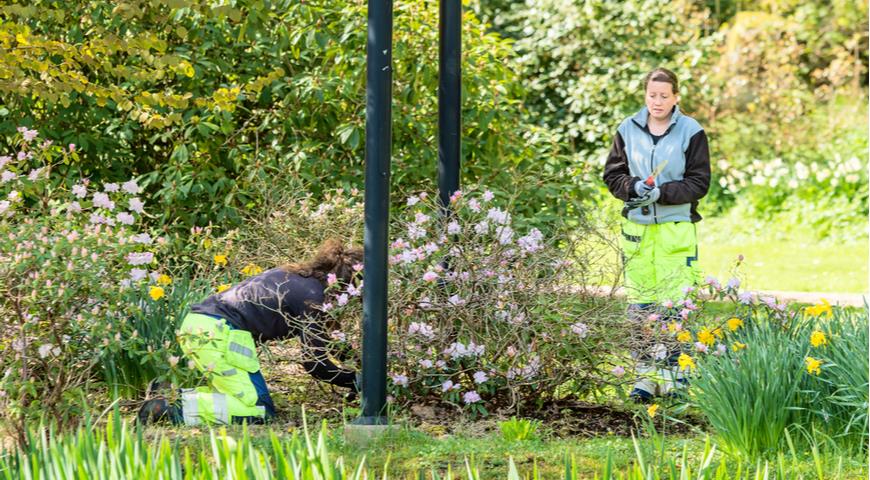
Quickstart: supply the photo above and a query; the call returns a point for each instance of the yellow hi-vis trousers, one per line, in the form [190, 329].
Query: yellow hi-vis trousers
[659, 260]
[225, 356]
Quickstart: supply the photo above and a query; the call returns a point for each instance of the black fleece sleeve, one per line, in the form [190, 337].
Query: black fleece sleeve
[616, 173]
[696, 179]
[315, 348]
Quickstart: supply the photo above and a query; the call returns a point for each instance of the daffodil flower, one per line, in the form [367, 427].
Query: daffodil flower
[156, 293]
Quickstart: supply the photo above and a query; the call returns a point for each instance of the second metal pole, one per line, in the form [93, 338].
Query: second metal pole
[449, 98]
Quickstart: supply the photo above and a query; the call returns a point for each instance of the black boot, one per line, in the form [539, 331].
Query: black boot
[159, 410]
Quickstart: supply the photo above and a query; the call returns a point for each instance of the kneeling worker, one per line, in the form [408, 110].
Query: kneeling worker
[219, 337]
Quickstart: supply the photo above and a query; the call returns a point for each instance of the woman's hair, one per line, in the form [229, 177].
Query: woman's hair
[331, 257]
[662, 75]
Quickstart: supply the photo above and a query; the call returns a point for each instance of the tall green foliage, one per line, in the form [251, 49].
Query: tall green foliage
[754, 395]
[585, 61]
[200, 100]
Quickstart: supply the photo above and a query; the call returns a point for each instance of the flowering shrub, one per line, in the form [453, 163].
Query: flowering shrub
[75, 275]
[481, 313]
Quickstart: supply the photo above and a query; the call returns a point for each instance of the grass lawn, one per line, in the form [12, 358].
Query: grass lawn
[790, 265]
[408, 451]
[784, 260]
[416, 451]
[777, 257]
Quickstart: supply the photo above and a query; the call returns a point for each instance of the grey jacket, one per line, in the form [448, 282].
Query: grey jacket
[684, 180]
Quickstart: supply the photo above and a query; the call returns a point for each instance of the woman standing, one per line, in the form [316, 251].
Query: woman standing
[659, 166]
[221, 332]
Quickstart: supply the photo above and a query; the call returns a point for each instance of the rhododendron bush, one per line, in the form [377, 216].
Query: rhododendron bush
[483, 313]
[76, 277]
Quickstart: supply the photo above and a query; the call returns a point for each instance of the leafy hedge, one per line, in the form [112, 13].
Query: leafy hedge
[199, 102]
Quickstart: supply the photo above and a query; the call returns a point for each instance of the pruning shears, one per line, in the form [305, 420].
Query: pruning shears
[651, 179]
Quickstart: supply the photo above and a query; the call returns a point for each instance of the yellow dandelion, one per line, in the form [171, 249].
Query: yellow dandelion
[706, 337]
[223, 287]
[652, 409]
[220, 260]
[672, 327]
[250, 270]
[813, 366]
[164, 279]
[684, 337]
[818, 339]
[156, 293]
[737, 346]
[734, 324]
[686, 362]
[717, 332]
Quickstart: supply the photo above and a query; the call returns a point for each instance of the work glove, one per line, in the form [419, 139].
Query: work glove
[648, 199]
[642, 188]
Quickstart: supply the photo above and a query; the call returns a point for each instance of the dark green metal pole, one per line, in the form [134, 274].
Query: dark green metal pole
[449, 96]
[377, 210]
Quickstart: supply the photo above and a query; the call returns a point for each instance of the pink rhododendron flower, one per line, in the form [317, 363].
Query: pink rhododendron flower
[532, 242]
[331, 279]
[142, 238]
[126, 218]
[338, 336]
[137, 274]
[470, 397]
[131, 187]
[80, 190]
[580, 329]
[137, 205]
[487, 196]
[342, 299]
[430, 276]
[498, 216]
[423, 329]
[400, 380]
[618, 371]
[480, 377]
[101, 200]
[140, 258]
[415, 232]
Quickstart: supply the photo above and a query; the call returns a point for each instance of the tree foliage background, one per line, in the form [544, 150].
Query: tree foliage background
[205, 103]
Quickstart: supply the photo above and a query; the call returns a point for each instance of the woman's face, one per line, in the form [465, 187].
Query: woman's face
[660, 100]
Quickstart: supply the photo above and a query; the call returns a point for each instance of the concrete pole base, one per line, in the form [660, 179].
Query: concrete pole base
[363, 435]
